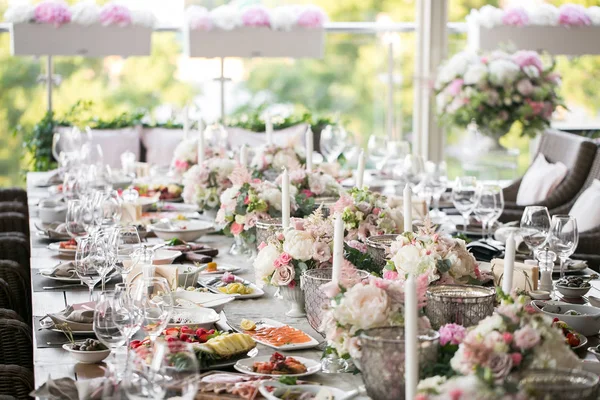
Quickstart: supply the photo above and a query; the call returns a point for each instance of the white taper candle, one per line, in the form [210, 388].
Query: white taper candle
[407, 201]
[411, 340]
[338, 248]
[200, 147]
[269, 128]
[309, 149]
[509, 264]
[244, 155]
[360, 171]
[285, 199]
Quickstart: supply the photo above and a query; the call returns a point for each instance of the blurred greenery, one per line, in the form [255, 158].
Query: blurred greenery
[349, 81]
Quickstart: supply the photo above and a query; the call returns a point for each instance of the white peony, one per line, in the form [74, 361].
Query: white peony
[226, 17]
[85, 13]
[142, 17]
[19, 12]
[594, 14]
[476, 74]
[298, 244]
[410, 260]
[440, 101]
[456, 66]
[543, 14]
[503, 72]
[364, 307]
[284, 18]
[316, 184]
[531, 71]
[264, 263]
[490, 16]
[272, 196]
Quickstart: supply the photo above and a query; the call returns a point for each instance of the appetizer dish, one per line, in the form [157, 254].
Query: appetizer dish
[236, 288]
[88, 351]
[274, 390]
[233, 285]
[572, 338]
[277, 335]
[196, 316]
[166, 192]
[575, 286]
[70, 244]
[222, 383]
[279, 365]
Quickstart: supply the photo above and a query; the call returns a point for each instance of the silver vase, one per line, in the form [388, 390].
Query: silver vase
[295, 299]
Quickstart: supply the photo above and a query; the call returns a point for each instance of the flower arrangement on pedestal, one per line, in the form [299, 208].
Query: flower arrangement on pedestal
[496, 90]
[442, 260]
[310, 186]
[372, 303]
[515, 338]
[186, 155]
[568, 15]
[271, 159]
[367, 213]
[204, 183]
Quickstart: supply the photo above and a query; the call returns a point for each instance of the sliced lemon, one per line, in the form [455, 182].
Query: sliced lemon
[247, 325]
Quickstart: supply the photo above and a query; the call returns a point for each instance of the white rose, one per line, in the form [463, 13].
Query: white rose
[456, 66]
[298, 244]
[19, 12]
[592, 12]
[229, 195]
[475, 75]
[503, 72]
[143, 17]
[364, 307]
[316, 184]
[531, 71]
[409, 260]
[284, 18]
[543, 14]
[490, 16]
[85, 12]
[264, 263]
[226, 17]
[272, 196]
[440, 101]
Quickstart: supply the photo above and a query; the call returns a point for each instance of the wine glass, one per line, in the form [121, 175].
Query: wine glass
[534, 227]
[499, 195]
[563, 238]
[126, 245]
[377, 147]
[152, 298]
[464, 197]
[412, 171]
[216, 137]
[73, 221]
[333, 141]
[430, 183]
[126, 316]
[105, 327]
[439, 178]
[486, 206]
[108, 206]
[87, 270]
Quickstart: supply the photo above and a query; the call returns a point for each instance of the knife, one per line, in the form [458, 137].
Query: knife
[62, 287]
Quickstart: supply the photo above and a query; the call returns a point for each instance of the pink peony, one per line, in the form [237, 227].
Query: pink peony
[312, 17]
[525, 87]
[321, 252]
[54, 12]
[236, 228]
[454, 87]
[256, 16]
[390, 275]
[526, 338]
[114, 14]
[527, 57]
[536, 106]
[508, 337]
[573, 15]
[330, 289]
[355, 244]
[516, 16]
[181, 165]
[452, 334]
[228, 277]
[285, 258]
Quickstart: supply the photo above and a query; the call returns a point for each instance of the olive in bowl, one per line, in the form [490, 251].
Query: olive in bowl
[88, 351]
[573, 286]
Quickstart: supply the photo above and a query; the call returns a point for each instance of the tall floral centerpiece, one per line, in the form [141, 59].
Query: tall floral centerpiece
[204, 183]
[514, 339]
[269, 160]
[310, 186]
[367, 213]
[185, 155]
[496, 90]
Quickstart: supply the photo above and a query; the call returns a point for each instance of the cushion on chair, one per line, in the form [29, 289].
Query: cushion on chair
[586, 210]
[539, 181]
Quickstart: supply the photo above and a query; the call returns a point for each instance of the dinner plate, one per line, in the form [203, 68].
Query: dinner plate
[231, 362]
[75, 332]
[63, 252]
[58, 278]
[267, 322]
[269, 389]
[221, 269]
[256, 293]
[245, 366]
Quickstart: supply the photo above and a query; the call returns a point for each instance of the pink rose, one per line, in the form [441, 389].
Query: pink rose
[508, 337]
[256, 16]
[390, 275]
[312, 17]
[236, 228]
[452, 333]
[355, 244]
[526, 338]
[54, 12]
[343, 202]
[228, 277]
[181, 165]
[500, 364]
[330, 289]
[526, 58]
[380, 283]
[283, 276]
[525, 87]
[516, 358]
[537, 107]
[454, 87]
[297, 224]
[285, 258]
[573, 15]
[516, 16]
[261, 246]
[115, 14]
[321, 251]
[307, 193]
[277, 263]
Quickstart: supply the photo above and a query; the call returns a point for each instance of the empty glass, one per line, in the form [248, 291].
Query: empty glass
[74, 221]
[487, 205]
[126, 317]
[333, 141]
[464, 197]
[433, 182]
[216, 137]
[377, 146]
[563, 238]
[89, 272]
[153, 300]
[126, 244]
[105, 327]
[534, 227]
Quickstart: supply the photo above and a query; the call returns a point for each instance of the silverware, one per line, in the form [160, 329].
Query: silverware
[62, 286]
[55, 343]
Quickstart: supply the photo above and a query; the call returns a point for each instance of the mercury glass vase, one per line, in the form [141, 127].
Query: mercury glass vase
[465, 305]
[382, 359]
[294, 297]
[266, 229]
[564, 384]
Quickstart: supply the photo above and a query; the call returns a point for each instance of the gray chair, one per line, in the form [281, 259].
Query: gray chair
[576, 152]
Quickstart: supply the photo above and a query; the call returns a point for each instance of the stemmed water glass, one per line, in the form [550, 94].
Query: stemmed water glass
[487, 205]
[534, 227]
[105, 327]
[74, 222]
[438, 175]
[126, 245]
[433, 180]
[87, 265]
[563, 238]
[377, 147]
[499, 198]
[152, 299]
[464, 197]
[126, 317]
[333, 141]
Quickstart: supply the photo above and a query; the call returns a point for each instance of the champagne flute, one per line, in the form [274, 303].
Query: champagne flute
[85, 269]
[73, 222]
[464, 197]
[153, 300]
[534, 227]
[563, 238]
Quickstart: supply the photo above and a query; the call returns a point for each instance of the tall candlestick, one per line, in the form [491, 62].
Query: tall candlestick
[269, 128]
[285, 199]
[411, 340]
[509, 264]
[360, 172]
[309, 149]
[186, 122]
[338, 248]
[407, 200]
[201, 147]
[390, 111]
[244, 155]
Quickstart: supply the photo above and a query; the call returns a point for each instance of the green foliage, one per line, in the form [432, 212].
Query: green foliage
[82, 115]
[288, 380]
[442, 365]
[38, 142]
[361, 260]
[250, 119]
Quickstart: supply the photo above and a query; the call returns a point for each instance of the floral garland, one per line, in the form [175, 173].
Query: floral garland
[440, 259]
[309, 186]
[367, 213]
[372, 303]
[275, 158]
[58, 12]
[496, 90]
[515, 338]
[204, 183]
[186, 155]
[569, 15]
[228, 17]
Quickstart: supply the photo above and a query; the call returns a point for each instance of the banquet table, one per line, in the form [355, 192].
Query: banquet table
[56, 363]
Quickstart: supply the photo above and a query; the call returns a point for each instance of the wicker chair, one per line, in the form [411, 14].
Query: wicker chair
[14, 206]
[6, 296]
[576, 152]
[18, 281]
[13, 194]
[16, 381]
[16, 345]
[15, 248]
[14, 222]
[10, 314]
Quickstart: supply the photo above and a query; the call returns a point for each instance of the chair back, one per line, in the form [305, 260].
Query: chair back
[16, 381]
[16, 345]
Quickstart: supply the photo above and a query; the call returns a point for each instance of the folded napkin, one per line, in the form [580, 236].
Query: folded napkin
[55, 230]
[575, 264]
[483, 251]
[75, 319]
[64, 270]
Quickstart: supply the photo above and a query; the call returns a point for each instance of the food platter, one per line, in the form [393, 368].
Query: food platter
[266, 327]
[246, 366]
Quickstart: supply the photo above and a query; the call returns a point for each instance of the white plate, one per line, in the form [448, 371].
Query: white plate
[337, 394]
[221, 269]
[245, 366]
[199, 317]
[267, 322]
[193, 230]
[570, 268]
[210, 300]
[63, 252]
[257, 292]
[44, 273]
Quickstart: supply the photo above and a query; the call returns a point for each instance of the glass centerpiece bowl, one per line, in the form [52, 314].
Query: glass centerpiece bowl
[564, 384]
[465, 305]
[378, 246]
